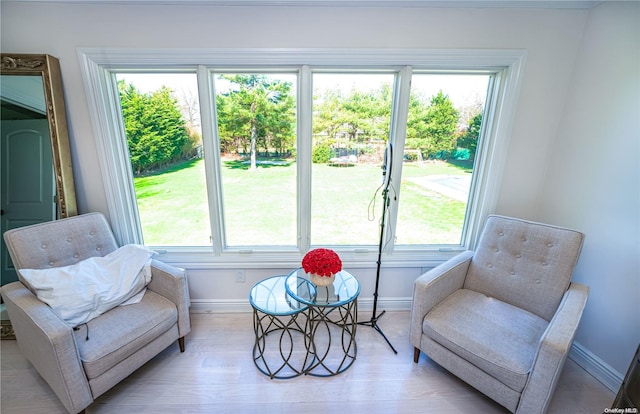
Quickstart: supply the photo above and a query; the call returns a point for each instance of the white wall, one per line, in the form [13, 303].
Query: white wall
[552, 39]
[593, 181]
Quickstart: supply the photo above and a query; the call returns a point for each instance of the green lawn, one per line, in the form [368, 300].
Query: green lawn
[260, 206]
[173, 206]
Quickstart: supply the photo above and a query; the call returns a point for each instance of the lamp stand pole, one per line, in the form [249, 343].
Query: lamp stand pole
[373, 322]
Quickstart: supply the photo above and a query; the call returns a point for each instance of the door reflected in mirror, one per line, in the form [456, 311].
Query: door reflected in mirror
[28, 184]
[35, 161]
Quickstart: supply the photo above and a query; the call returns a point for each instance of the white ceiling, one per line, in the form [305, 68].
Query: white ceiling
[545, 4]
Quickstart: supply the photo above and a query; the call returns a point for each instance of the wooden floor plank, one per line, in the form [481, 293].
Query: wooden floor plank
[216, 374]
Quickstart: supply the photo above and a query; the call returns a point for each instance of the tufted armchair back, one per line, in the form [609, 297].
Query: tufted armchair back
[60, 243]
[526, 264]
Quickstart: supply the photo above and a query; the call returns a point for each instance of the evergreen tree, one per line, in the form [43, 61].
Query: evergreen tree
[469, 139]
[258, 112]
[417, 137]
[155, 129]
[358, 116]
[329, 114]
[441, 122]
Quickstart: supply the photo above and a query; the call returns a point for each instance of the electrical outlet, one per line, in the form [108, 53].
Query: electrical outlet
[240, 277]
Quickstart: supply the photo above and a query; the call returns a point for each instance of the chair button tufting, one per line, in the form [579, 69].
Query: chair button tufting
[44, 246]
[69, 239]
[501, 234]
[51, 263]
[512, 273]
[538, 281]
[92, 232]
[549, 244]
[98, 248]
[518, 256]
[489, 265]
[75, 256]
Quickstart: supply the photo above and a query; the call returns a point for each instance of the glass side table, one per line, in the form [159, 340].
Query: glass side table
[331, 321]
[278, 352]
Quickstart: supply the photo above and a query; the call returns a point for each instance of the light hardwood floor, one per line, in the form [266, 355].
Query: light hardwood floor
[216, 374]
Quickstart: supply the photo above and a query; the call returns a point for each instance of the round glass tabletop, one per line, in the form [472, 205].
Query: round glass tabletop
[270, 296]
[345, 288]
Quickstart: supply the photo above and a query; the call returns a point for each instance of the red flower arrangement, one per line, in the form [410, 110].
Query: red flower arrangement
[322, 262]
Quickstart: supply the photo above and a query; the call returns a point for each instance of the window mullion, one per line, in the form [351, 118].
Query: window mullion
[211, 147]
[397, 136]
[304, 161]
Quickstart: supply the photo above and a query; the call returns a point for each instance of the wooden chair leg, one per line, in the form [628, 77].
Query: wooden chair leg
[416, 355]
[181, 344]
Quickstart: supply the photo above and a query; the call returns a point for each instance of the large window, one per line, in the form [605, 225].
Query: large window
[272, 155]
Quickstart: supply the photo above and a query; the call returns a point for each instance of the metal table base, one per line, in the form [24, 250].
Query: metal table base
[286, 362]
[328, 326]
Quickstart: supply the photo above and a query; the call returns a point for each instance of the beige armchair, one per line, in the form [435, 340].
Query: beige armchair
[120, 340]
[503, 317]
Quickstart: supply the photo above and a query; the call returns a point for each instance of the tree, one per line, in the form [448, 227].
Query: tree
[417, 137]
[432, 128]
[328, 114]
[259, 111]
[469, 110]
[155, 129]
[369, 114]
[469, 139]
[231, 130]
[358, 116]
[358, 109]
[381, 121]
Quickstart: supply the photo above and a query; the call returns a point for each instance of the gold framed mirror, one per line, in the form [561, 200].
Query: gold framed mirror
[36, 177]
[18, 70]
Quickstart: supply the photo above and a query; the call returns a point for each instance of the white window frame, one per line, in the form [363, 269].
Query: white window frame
[98, 65]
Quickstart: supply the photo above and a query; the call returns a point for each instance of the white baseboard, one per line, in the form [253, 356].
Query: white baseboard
[238, 306]
[219, 306]
[598, 369]
[390, 304]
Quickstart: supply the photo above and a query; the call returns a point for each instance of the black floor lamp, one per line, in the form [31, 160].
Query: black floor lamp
[386, 176]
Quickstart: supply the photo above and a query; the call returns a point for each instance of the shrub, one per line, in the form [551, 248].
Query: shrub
[321, 154]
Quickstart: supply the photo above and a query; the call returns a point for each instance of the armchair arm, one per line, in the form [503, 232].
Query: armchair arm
[49, 344]
[553, 349]
[171, 282]
[433, 287]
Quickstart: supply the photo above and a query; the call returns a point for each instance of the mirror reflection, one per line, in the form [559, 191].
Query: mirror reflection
[36, 182]
[27, 163]
[28, 185]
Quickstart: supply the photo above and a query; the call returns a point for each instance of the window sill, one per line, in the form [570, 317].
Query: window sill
[205, 259]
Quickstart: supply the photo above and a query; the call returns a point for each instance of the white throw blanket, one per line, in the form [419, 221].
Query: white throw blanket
[80, 292]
